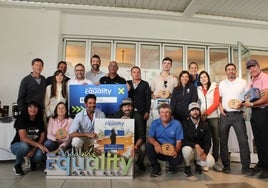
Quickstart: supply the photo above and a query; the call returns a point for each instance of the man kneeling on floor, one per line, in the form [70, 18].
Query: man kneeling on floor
[164, 141]
[196, 142]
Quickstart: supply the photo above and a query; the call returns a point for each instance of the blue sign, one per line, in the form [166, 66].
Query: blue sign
[109, 97]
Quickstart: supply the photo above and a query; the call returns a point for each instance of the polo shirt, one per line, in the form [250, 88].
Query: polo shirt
[260, 82]
[166, 134]
[232, 90]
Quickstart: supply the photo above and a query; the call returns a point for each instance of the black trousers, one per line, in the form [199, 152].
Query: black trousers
[259, 123]
[153, 158]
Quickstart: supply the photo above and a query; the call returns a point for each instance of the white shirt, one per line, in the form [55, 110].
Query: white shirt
[231, 90]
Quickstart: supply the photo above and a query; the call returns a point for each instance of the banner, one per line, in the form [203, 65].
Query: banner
[110, 159]
[109, 97]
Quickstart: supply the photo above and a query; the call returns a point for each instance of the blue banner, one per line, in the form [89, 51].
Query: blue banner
[109, 97]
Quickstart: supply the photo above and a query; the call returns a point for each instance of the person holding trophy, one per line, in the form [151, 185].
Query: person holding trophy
[257, 99]
[164, 141]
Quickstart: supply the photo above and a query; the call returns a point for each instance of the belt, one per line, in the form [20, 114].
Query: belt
[260, 108]
[233, 112]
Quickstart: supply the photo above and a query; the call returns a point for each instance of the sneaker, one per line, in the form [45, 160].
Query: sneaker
[187, 171]
[226, 170]
[217, 167]
[247, 171]
[172, 171]
[33, 166]
[156, 173]
[205, 168]
[257, 168]
[198, 169]
[264, 174]
[18, 170]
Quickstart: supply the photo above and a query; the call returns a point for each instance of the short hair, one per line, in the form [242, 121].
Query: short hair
[193, 63]
[164, 105]
[135, 67]
[61, 62]
[95, 56]
[56, 113]
[79, 64]
[90, 96]
[37, 60]
[229, 64]
[167, 59]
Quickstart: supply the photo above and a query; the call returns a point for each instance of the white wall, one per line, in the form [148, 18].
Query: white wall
[24, 35]
[36, 32]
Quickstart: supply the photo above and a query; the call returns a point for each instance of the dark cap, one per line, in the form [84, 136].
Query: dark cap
[252, 62]
[126, 101]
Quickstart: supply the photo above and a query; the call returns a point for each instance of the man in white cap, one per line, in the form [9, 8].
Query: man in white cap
[127, 112]
[196, 142]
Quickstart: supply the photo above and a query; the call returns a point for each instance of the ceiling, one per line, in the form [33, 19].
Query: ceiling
[238, 11]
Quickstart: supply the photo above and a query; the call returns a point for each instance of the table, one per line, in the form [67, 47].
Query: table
[7, 133]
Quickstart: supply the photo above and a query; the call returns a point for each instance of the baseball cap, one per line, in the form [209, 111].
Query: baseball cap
[126, 101]
[252, 62]
[193, 105]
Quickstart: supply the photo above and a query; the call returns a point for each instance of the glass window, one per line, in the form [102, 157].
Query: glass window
[262, 57]
[149, 60]
[125, 54]
[195, 54]
[102, 49]
[218, 58]
[175, 53]
[75, 52]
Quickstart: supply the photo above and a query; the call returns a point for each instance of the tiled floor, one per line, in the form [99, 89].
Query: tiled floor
[209, 179]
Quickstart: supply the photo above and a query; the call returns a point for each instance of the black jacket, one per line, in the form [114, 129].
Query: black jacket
[193, 136]
[141, 96]
[180, 100]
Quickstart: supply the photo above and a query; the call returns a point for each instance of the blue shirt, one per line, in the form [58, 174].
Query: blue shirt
[166, 134]
[83, 124]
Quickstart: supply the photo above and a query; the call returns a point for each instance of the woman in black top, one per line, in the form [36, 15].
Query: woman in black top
[29, 138]
[182, 96]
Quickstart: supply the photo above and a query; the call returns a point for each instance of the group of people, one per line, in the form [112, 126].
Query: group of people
[198, 111]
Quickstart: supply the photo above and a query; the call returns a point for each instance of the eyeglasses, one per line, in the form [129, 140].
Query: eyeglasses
[79, 70]
[165, 84]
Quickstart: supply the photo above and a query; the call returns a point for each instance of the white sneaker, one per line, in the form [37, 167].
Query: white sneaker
[205, 168]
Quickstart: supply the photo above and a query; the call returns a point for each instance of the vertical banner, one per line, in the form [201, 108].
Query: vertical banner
[109, 97]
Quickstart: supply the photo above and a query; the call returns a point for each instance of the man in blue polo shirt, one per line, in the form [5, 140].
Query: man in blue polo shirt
[164, 130]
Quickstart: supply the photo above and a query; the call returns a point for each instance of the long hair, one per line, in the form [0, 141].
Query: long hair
[54, 85]
[206, 73]
[56, 113]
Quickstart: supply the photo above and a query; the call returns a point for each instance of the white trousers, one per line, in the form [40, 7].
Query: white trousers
[189, 154]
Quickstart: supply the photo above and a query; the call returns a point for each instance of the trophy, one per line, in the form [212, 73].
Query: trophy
[252, 94]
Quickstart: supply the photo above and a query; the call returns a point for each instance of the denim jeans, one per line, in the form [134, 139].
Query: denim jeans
[21, 149]
[51, 145]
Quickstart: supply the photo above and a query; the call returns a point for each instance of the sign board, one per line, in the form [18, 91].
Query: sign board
[110, 159]
[109, 97]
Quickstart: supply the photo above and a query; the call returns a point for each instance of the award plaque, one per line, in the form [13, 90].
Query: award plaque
[167, 149]
[163, 93]
[61, 134]
[234, 103]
